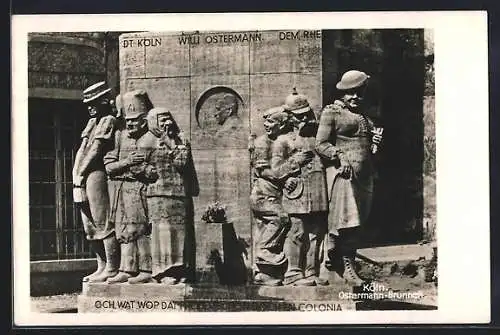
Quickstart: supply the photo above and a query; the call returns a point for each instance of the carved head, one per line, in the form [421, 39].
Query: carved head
[160, 120]
[135, 105]
[299, 109]
[353, 87]
[97, 99]
[276, 120]
[225, 107]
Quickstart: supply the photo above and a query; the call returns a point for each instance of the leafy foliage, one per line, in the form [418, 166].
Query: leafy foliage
[215, 213]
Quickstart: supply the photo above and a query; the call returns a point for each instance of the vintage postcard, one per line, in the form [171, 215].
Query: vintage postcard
[299, 168]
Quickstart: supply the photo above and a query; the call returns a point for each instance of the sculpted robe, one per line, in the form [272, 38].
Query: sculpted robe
[170, 204]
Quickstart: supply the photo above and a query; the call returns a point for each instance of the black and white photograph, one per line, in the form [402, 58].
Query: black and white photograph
[302, 163]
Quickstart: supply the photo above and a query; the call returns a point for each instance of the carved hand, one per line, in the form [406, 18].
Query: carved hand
[377, 135]
[377, 139]
[150, 172]
[135, 158]
[345, 170]
[78, 181]
[291, 184]
[304, 157]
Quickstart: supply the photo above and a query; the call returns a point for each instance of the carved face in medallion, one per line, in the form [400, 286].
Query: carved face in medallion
[225, 107]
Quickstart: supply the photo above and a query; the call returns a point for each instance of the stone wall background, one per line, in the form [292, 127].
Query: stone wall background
[178, 76]
[395, 59]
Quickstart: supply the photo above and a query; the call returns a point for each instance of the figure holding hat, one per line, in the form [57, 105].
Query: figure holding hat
[271, 220]
[90, 181]
[129, 174]
[305, 196]
[344, 141]
[169, 199]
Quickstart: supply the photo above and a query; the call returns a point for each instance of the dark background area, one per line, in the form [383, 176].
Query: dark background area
[396, 63]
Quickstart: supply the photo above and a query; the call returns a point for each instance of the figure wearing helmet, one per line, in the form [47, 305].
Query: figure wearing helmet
[305, 196]
[129, 174]
[271, 220]
[90, 181]
[344, 141]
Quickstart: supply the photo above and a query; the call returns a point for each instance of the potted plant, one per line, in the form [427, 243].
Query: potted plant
[223, 249]
[215, 213]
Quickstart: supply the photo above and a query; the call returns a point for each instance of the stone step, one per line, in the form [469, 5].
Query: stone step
[200, 291]
[398, 253]
[92, 304]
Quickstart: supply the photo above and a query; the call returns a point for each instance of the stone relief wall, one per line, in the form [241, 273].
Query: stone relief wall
[191, 74]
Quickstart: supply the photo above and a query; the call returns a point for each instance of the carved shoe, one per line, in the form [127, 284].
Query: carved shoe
[103, 276]
[168, 281]
[100, 268]
[266, 280]
[292, 277]
[143, 277]
[321, 281]
[121, 277]
[309, 281]
[350, 275]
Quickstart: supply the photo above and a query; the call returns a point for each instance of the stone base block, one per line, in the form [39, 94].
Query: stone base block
[161, 304]
[99, 298]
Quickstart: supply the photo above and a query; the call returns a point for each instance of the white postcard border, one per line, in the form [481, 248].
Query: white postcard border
[461, 54]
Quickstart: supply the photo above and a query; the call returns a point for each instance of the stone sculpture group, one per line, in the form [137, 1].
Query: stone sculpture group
[312, 183]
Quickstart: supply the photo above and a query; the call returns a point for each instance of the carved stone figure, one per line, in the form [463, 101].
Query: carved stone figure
[128, 177]
[272, 221]
[169, 199]
[305, 194]
[90, 182]
[344, 140]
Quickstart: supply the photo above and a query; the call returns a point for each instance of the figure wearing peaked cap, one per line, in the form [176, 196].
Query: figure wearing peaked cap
[295, 161]
[129, 175]
[90, 181]
[344, 141]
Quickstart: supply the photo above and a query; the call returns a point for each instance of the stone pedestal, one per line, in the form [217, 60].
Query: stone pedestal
[99, 298]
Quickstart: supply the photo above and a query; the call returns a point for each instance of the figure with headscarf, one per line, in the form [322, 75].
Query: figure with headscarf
[169, 200]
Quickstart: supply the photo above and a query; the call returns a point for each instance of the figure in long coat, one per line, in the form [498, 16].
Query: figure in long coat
[344, 140]
[169, 200]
